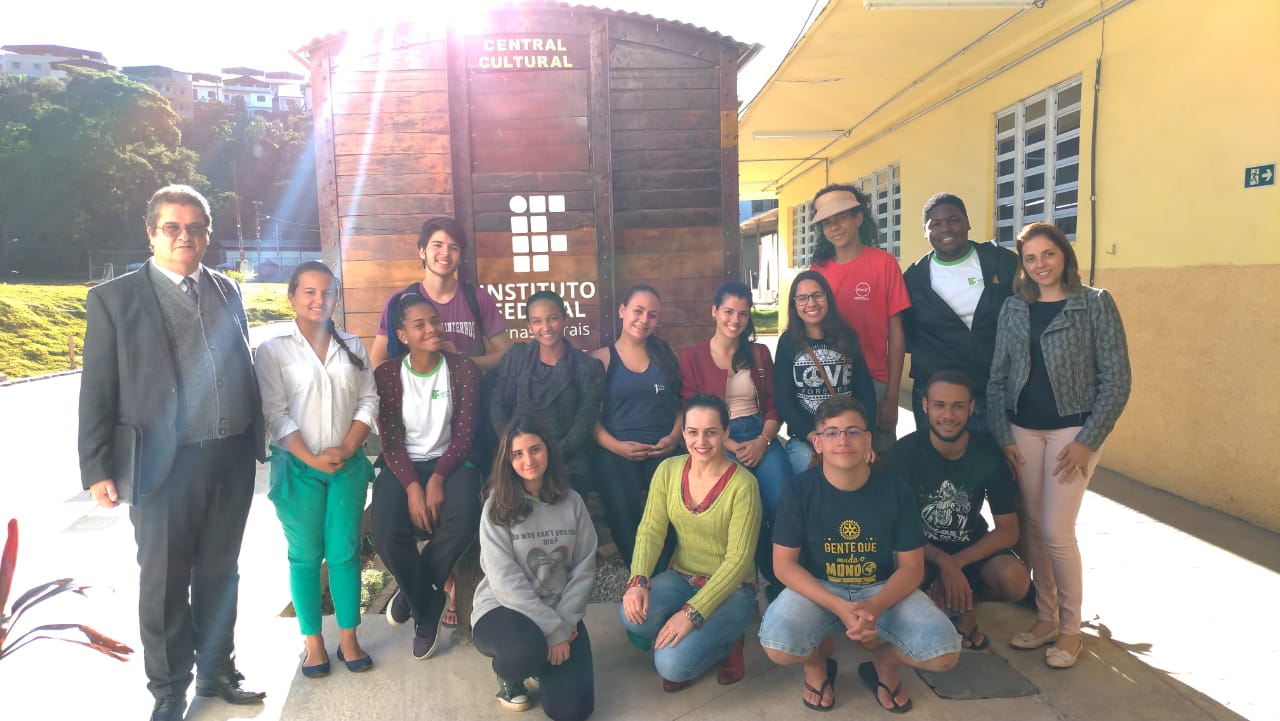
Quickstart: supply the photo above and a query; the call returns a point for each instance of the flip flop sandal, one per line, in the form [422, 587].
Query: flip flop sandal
[822, 691]
[968, 638]
[867, 672]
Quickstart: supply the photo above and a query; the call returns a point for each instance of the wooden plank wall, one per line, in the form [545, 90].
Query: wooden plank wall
[640, 138]
[666, 86]
[530, 136]
[391, 170]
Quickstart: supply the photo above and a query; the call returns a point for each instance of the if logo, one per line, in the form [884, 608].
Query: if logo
[439, 395]
[531, 243]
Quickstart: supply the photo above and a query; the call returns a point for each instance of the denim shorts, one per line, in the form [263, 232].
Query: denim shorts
[795, 625]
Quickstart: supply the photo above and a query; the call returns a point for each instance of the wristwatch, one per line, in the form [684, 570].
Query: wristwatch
[638, 581]
[693, 615]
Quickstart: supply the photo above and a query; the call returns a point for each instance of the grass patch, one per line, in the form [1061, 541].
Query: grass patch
[36, 320]
[766, 321]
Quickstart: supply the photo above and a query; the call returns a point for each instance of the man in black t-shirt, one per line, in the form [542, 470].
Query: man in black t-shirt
[950, 471]
[848, 545]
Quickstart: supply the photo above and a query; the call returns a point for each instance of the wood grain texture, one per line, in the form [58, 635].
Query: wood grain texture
[384, 205]
[391, 143]
[424, 101]
[668, 199]
[525, 182]
[429, 183]
[385, 81]
[668, 239]
[392, 123]
[689, 264]
[667, 120]
[384, 164]
[667, 218]
[533, 157]
[403, 246]
[532, 104]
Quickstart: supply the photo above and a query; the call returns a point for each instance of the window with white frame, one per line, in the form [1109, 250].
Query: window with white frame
[804, 236]
[1038, 162]
[885, 190]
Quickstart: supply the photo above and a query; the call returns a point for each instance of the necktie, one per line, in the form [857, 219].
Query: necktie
[189, 287]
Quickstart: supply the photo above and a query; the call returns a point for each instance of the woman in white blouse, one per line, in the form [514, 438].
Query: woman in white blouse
[319, 402]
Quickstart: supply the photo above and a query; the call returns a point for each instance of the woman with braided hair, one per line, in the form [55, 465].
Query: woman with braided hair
[319, 402]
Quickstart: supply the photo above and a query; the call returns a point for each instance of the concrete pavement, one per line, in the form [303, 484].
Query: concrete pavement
[1178, 605]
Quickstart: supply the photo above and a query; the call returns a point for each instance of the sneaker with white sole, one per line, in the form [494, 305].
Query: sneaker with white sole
[399, 611]
[513, 695]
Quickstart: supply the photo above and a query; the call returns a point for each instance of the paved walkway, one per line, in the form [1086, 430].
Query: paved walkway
[1178, 604]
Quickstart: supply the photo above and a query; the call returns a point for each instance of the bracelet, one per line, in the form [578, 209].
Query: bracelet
[638, 581]
[694, 616]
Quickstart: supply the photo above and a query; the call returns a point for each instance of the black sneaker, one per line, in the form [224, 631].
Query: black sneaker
[398, 611]
[513, 695]
[426, 637]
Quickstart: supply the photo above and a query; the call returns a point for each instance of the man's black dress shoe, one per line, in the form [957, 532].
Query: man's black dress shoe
[168, 708]
[227, 687]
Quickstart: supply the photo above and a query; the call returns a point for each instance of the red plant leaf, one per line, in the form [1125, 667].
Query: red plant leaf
[29, 639]
[49, 589]
[8, 562]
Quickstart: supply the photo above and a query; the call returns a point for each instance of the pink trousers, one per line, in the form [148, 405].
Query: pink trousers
[1050, 509]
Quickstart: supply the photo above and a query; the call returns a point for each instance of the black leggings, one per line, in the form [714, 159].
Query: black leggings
[519, 650]
[624, 489]
[421, 575]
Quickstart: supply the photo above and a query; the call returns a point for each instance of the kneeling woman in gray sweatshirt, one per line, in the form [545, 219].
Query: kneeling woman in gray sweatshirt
[538, 553]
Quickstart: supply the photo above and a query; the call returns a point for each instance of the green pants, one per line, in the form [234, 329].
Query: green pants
[321, 515]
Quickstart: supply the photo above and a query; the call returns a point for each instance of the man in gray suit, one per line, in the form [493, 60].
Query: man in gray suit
[168, 401]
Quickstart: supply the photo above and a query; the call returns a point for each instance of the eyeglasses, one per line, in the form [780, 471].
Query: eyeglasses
[833, 434]
[196, 231]
[818, 297]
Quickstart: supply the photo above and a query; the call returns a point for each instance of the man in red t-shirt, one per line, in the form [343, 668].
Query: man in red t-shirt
[870, 294]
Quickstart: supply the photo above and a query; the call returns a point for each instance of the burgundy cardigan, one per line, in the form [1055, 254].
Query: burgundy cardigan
[464, 378]
[700, 374]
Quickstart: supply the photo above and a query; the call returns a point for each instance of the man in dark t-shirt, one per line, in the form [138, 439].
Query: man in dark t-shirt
[848, 545]
[950, 471]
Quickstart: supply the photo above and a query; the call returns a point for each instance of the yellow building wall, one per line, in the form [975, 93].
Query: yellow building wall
[1187, 101]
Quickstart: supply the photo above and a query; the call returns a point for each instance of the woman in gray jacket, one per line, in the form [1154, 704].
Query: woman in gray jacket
[1059, 381]
[538, 553]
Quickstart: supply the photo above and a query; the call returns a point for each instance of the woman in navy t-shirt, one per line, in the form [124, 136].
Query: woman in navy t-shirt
[640, 425]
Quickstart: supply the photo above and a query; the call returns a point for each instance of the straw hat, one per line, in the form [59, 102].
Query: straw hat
[836, 201]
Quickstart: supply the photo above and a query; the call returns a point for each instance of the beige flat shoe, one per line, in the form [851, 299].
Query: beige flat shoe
[1058, 658]
[1026, 641]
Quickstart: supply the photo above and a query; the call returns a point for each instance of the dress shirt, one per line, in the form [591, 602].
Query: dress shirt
[177, 278]
[319, 399]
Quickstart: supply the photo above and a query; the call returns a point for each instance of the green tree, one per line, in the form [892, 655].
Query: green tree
[79, 158]
[266, 160]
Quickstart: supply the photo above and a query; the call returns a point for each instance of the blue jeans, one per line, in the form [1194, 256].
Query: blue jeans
[799, 455]
[795, 625]
[772, 473]
[703, 647]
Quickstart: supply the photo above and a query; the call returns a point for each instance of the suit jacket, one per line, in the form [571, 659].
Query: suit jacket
[131, 377]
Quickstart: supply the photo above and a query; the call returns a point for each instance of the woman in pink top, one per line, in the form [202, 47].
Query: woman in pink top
[869, 293]
[730, 365]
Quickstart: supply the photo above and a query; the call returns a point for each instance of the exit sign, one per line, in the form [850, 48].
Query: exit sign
[1260, 175]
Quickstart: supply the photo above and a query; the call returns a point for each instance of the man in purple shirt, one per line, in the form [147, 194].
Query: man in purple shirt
[473, 326]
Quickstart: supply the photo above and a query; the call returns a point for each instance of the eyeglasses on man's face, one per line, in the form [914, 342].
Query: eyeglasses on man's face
[833, 434]
[198, 231]
[817, 297]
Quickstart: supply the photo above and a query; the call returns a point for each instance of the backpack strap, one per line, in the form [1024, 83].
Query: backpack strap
[473, 305]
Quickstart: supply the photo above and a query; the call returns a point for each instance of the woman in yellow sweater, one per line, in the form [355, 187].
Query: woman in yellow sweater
[694, 614]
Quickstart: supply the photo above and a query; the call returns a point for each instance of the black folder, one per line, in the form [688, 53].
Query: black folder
[126, 454]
